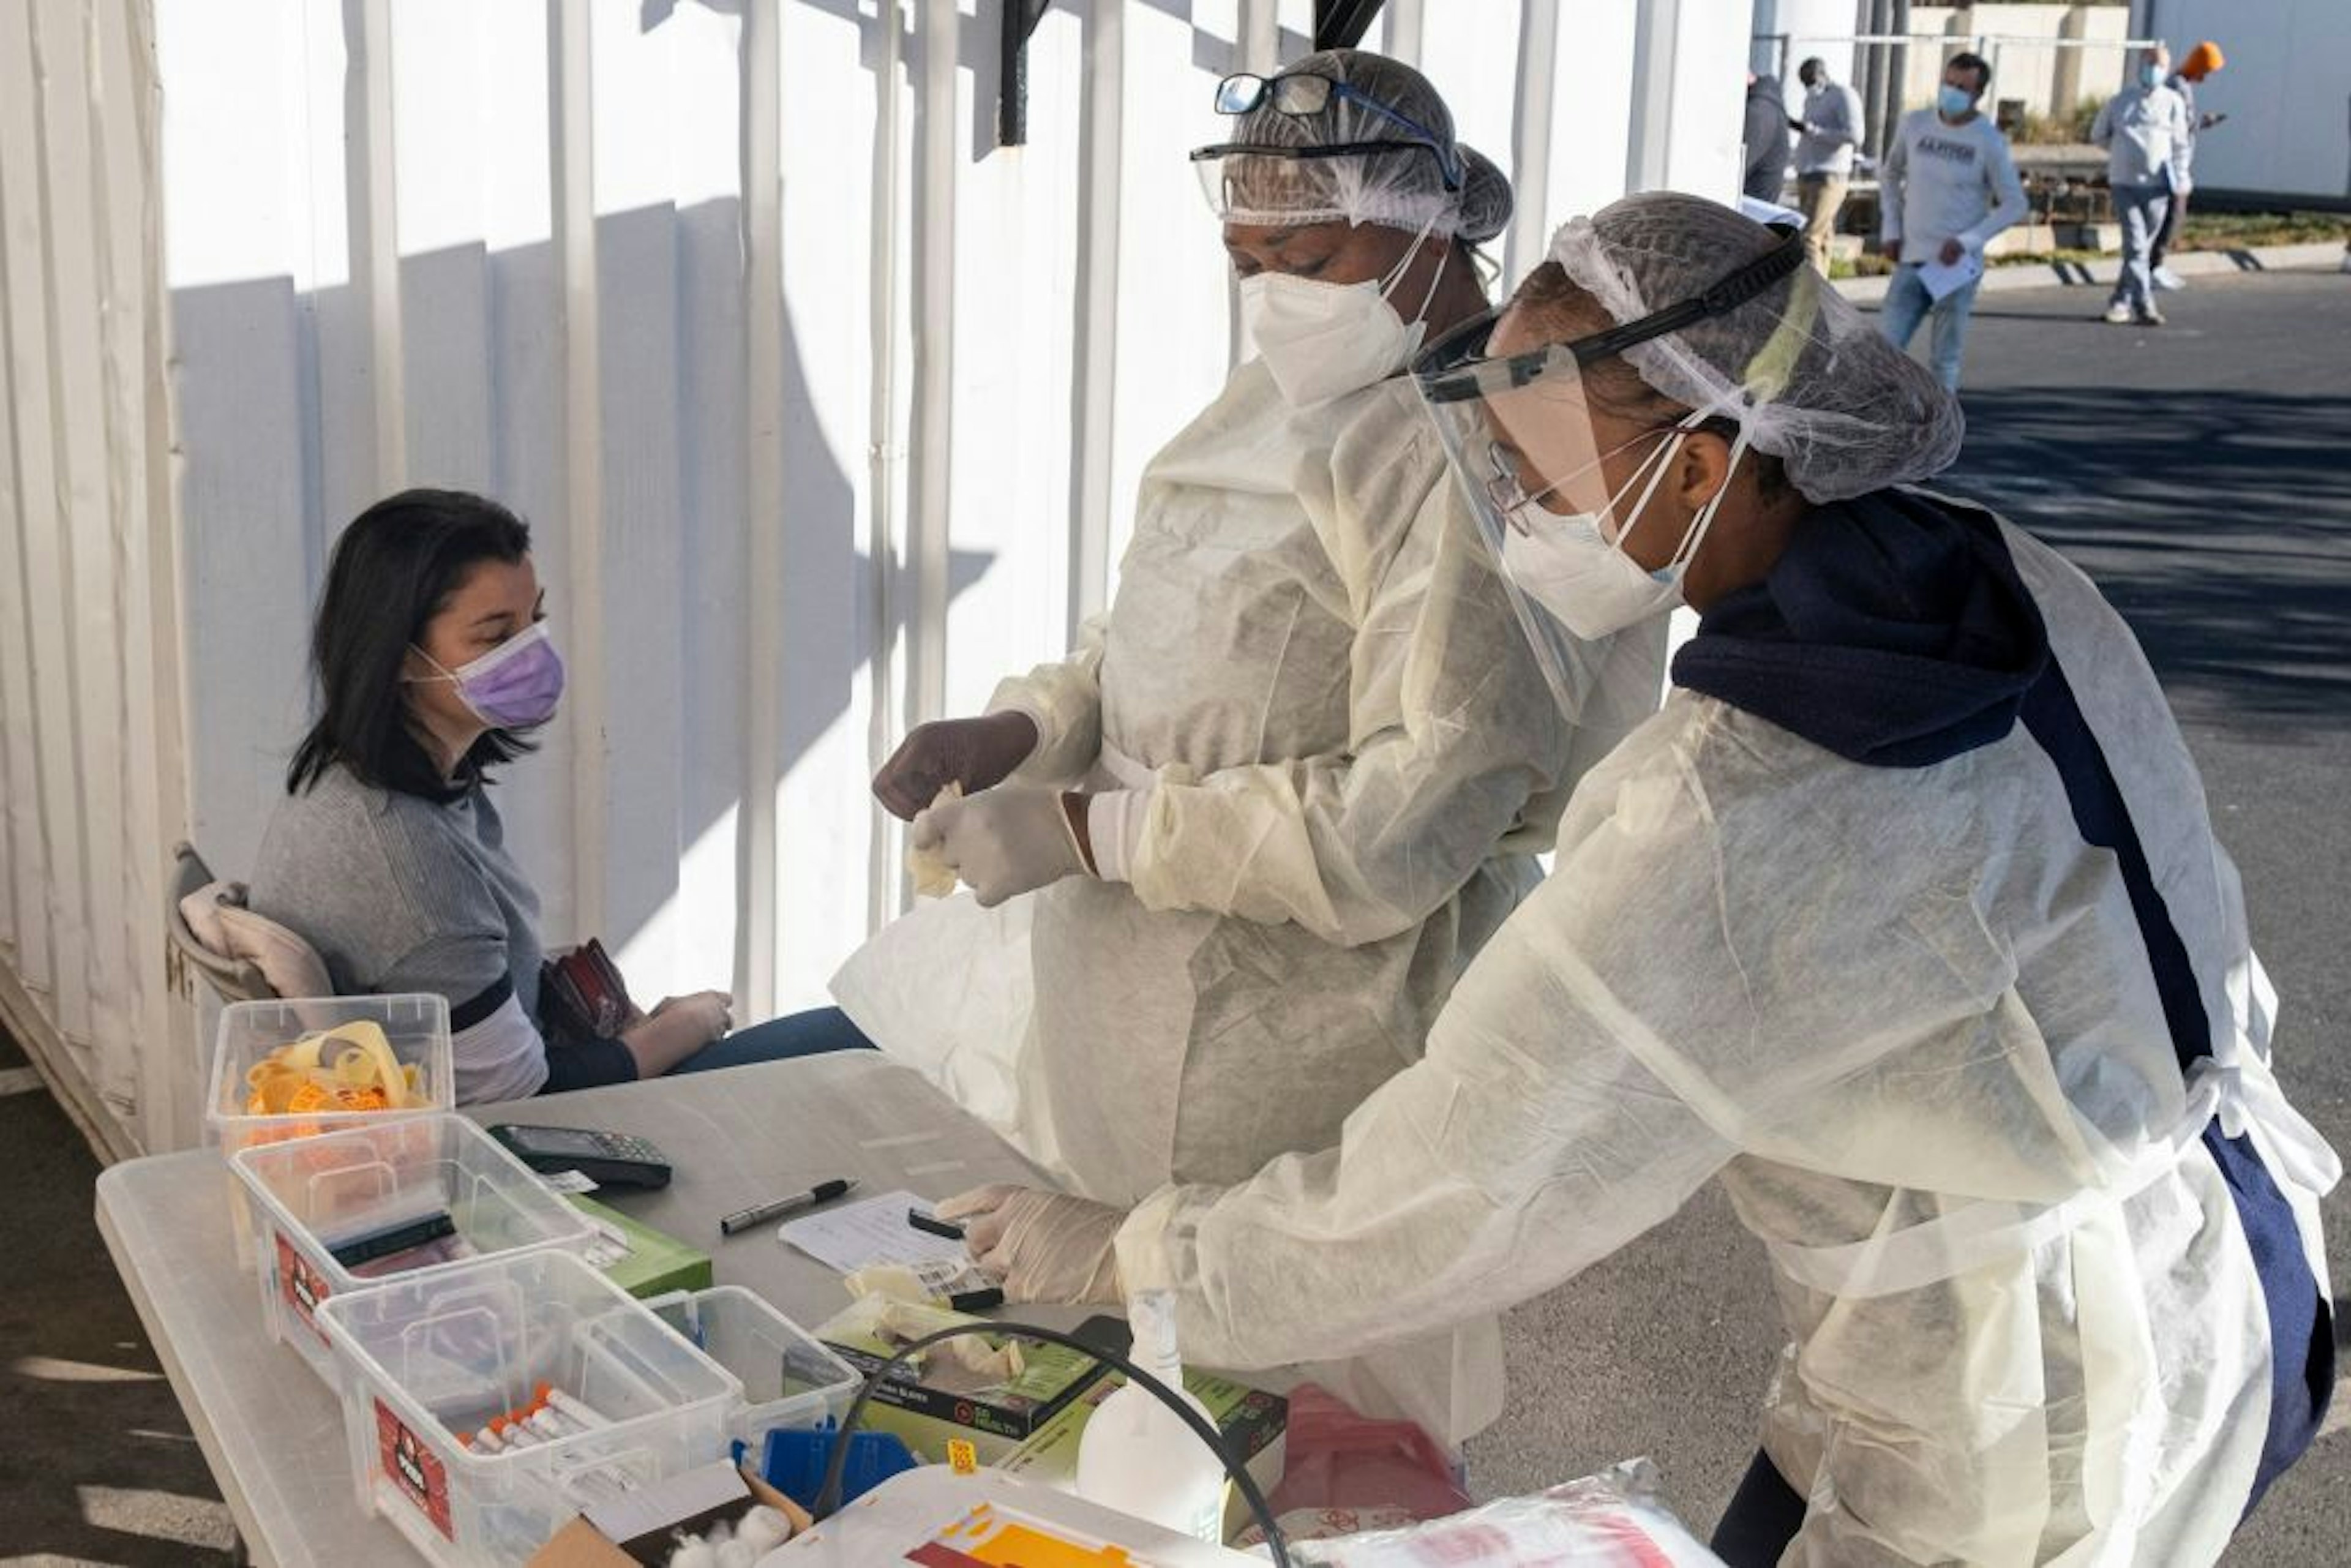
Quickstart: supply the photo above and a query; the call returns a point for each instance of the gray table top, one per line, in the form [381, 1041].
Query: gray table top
[274, 1434]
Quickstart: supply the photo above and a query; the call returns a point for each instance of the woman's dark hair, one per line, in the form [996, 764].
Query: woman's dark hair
[394, 569]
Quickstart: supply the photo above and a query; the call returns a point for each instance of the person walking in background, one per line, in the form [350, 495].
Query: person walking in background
[2202, 62]
[1948, 186]
[1830, 128]
[2142, 127]
[1767, 139]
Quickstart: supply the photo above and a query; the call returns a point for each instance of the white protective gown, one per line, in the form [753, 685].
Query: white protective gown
[1352, 759]
[1906, 1016]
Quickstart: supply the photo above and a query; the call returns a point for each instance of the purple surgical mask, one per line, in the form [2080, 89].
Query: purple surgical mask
[514, 686]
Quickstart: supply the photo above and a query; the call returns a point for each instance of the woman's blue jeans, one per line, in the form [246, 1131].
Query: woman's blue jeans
[811, 1033]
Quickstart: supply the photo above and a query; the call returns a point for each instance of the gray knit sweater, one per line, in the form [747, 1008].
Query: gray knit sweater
[399, 894]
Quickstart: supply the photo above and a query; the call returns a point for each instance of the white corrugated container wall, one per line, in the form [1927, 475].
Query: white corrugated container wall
[89, 699]
[826, 411]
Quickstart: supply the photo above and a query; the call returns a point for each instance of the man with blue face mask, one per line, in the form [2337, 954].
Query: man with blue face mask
[1230, 855]
[2143, 128]
[1948, 185]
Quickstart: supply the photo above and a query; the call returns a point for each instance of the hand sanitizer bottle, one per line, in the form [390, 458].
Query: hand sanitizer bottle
[1137, 1456]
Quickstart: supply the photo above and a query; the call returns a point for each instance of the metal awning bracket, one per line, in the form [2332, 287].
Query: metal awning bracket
[1019, 24]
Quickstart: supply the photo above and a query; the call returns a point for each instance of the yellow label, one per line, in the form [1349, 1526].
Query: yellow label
[962, 1457]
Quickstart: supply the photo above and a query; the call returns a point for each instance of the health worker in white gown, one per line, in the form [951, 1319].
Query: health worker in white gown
[1902, 920]
[1297, 775]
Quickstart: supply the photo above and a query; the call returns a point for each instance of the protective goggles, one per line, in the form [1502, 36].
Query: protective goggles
[1456, 369]
[1303, 94]
[1517, 431]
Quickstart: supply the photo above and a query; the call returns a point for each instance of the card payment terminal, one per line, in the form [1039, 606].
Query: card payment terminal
[608, 1159]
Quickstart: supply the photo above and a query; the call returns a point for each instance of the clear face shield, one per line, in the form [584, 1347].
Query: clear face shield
[1352, 182]
[1518, 434]
[1536, 470]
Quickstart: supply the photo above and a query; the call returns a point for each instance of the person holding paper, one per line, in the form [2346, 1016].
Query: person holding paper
[1948, 185]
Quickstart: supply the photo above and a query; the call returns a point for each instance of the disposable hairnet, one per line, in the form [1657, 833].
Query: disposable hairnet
[1406, 189]
[1810, 378]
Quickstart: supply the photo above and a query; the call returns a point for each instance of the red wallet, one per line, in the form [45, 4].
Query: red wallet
[582, 996]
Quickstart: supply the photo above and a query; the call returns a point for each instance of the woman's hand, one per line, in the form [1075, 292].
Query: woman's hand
[676, 1029]
[714, 1010]
[977, 753]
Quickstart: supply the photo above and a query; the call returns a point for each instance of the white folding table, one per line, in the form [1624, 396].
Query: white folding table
[274, 1434]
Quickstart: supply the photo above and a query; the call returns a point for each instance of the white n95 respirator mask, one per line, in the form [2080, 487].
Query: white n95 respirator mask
[1323, 341]
[1574, 565]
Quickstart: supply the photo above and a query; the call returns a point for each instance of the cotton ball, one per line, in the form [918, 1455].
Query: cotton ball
[736, 1554]
[694, 1554]
[763, 1530]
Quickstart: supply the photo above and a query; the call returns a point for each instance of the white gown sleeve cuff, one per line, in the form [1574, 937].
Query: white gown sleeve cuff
[1013, 697]
[1156, 1246]
[1115, 821]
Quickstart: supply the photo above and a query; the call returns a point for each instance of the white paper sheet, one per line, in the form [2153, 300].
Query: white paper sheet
[1940, 280]
[860, 1235]
[1768, 211]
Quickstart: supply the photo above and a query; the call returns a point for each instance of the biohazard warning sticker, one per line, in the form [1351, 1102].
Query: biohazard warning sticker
[301, 1286]
[415, 1469]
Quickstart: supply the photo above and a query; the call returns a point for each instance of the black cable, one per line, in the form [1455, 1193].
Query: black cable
[836, 1466]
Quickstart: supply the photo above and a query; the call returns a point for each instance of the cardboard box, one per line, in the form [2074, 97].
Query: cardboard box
[948, 1400]
[637, 1258]
[648, 1518]
[1255, 1422]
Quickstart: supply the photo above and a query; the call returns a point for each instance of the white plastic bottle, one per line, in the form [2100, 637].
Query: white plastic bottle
[1137, 1456]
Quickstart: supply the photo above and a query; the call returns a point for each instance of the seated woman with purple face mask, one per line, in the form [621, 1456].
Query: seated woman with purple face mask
[433, 666]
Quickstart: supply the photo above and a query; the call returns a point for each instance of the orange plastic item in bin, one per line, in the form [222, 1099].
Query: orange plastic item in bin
[364, 1075]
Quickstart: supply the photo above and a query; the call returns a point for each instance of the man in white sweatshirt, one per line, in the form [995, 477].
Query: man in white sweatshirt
[1948, 186]
[2142, 127]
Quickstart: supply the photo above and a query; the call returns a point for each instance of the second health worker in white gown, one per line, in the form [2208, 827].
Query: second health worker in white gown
[1297, 775]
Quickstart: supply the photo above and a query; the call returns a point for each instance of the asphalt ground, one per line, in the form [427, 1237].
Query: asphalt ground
[97, 1463]
[2198, 472]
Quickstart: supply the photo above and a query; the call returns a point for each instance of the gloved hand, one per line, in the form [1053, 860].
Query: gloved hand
[1004, 843]
[977, 753]
[1045, 1247]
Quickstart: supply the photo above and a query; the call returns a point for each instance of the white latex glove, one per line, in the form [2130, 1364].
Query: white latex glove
[1045, 1247]
[1003, 843]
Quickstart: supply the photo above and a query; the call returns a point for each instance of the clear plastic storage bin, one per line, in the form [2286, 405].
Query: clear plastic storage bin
[415, 1027]
[314, 1197]
[789, 1379]
[428, 1359]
